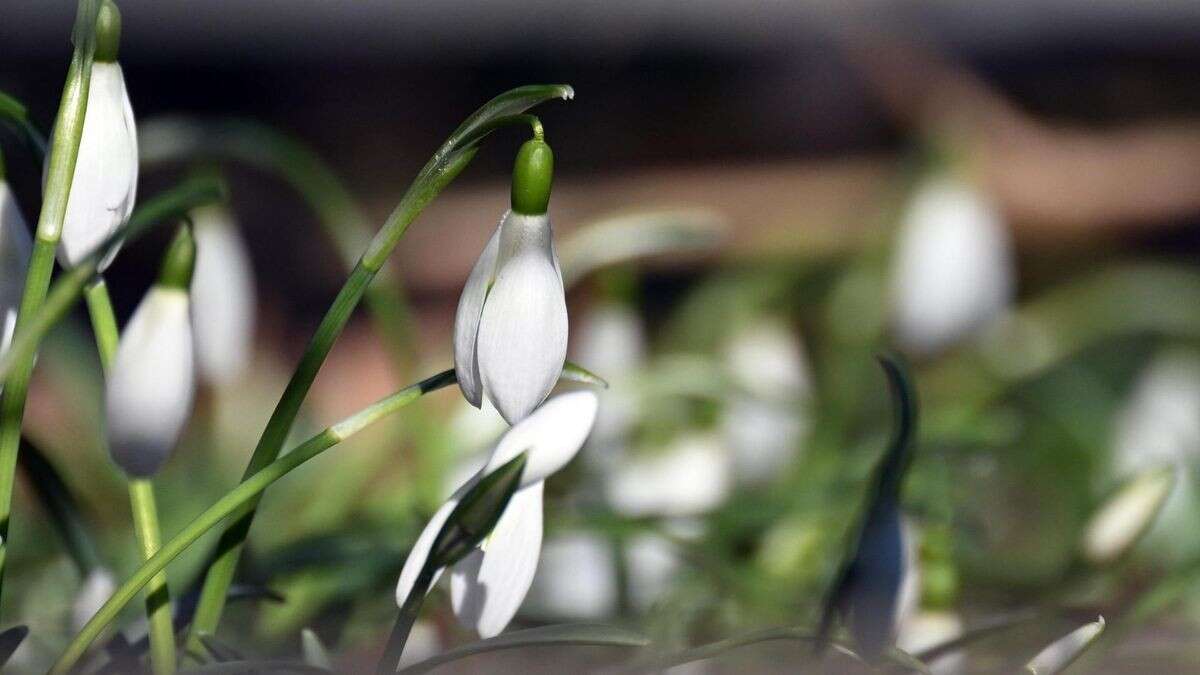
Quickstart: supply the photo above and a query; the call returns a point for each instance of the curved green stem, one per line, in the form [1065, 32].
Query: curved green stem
[63, 154]
[141, 496]
[237, 502]
[445, 165]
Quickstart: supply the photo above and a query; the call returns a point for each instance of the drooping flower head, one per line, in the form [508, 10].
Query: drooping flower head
[510, 330]
[152, 382]
[222, 296]
[488, 586]
[104, 185]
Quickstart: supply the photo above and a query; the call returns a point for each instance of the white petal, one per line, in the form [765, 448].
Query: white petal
[652, 562]
[223, 296]
[552, 436]
[767, 359]
[953, 266]
[488, 586]
[466, 321]
[15, 248]
[152, 383]
[105, 182]
[421, 547]
[576, 579]
[688, 478]
[522, 340]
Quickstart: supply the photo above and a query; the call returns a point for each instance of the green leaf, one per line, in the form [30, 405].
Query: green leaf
[571, 634]
[60, 505]
[219, 650]
[574, 372]
[622, 238]
[174, 203]
[476, 514]
[1062, 652]
[1126, 516]
[14, 113]
[315, 653]
[10, 640]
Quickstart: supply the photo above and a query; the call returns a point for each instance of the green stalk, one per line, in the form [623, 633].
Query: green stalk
[235, 503]
[390, 661]
[141, 497]
[63, 153]
[450, 159]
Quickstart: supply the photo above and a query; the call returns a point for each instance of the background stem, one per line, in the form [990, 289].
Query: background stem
[390, 661]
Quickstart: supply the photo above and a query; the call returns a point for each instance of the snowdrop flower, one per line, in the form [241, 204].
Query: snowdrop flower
[953, 268]
[510, 330]
[690, 477]
[15, 248]
[105, 181]
[576, 579]
[765, 420]
[152, 381]
[1160, 426]
[222, 296]
[488, 586]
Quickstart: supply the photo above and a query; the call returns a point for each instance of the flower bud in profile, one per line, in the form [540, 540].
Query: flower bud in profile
[152, 382]
[104, 184]
[510, 330]
[223, 296]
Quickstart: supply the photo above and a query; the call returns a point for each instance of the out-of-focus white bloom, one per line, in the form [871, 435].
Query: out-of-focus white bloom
[423, 643]
[576, 579]
[15, 248]
[612, 341]
[690, 477]
[152, 383]
[765, 420]
[510, 330]
[96, 589]
[651, 562]
[476, 429]
[953, 268]
[223, 296]
[104, 186]
[1064, 651]
[1160, 426]
[926, 630]
[488, 586]
[1122, 520]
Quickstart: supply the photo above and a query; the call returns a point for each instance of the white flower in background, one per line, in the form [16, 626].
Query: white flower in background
[15, 248]
[766, 417]
[690, 477]
[223, 296]
[651, 563]
[928, 629]
[612, 341]
[576, 579]
[510, 330]
[488, 586]
[104, 185]
[1159, 425]
[953, 267]
[152, 382]
[97, 587]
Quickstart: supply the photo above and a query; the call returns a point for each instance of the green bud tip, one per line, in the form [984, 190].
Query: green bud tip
[108, 32]
[533, 174]
[179, 260]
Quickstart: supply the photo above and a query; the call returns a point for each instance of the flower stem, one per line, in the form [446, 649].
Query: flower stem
[63, 153]
[390, 661]
[237, 502]
[141, 496]
[158, 597]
